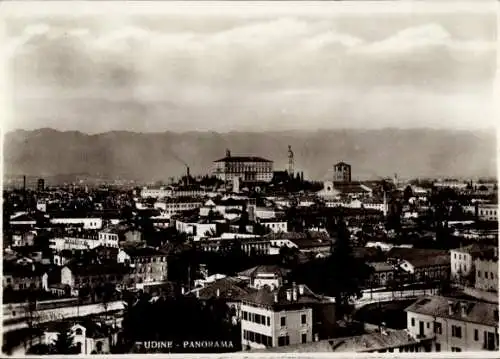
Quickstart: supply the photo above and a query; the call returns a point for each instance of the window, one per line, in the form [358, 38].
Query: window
[438, 329]
[456, 331]
[455, 255]
[491, 275]
[268, 321]
[304, 338]
[486, 275]
[479, 274]
[428, 325]
[283, 321]
[476, 335]
[303, 319]
[412, 322]
[245, 316]
[438, 347]
[455, 349]
[78, 331]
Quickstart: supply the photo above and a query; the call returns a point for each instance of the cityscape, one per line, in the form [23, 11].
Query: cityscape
[140, 234]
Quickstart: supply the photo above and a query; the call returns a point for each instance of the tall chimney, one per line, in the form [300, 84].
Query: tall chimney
[450, 307]
[228, 153]
[24, 183]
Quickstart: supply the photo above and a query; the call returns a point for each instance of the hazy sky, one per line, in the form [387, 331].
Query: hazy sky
[244, 68]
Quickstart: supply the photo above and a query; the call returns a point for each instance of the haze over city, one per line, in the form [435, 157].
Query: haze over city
[243, 70]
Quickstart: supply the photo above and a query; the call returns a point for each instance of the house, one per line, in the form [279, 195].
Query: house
[156, 192]
[148, 265]
[328, 192]
[261, 276]
[462, 260]
[77, 275]
[23, 238]
[109, 237]
[453, 324]
[230, 290]
[274, 224]
[488, 212]
[24, 277]
[88, 337]
[74, 243]
[171, 206]
[387, 341]
[288, 315]
[486, 268]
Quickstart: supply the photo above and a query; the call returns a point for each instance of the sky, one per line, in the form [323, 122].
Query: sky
[245, 68]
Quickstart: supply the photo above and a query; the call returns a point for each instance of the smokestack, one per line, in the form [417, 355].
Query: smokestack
[228, 153]
[24, 183]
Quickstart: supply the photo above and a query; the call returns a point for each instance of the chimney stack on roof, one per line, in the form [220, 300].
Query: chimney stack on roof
[301, 289]
[276, 297]
[198, 293]
[218, 292]
[289, 295]
[463, 309]
[450, 307]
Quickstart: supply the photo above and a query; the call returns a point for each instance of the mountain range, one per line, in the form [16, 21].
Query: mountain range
[159, 156]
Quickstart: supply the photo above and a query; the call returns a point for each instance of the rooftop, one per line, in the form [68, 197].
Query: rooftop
[271, 268]
[477, 249]
[228, 288]
[360, 343]
[278, 298]
[381, 266]
[243, 159]
[475, 311]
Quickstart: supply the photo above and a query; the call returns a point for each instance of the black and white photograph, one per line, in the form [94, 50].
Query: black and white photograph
[249, 177]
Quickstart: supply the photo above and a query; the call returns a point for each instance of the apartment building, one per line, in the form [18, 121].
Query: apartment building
[109, 237]
[261, 276]
[172, 206]
[454, 325]
[488, 212]
[285, 316]
[462, 260]
[148, 265]
[486, 267]
[275, 225]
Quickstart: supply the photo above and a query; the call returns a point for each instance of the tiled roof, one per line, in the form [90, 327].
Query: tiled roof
[252, 272]
[267, 298]
[98, 269]
[229, 289]
[476, 249]
[144, 252]
[437, 260]
[381, 266]
[476, 312]
[243, 159]
[360, 343]
[415, 253]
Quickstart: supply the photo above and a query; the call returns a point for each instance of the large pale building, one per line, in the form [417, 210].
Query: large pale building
[247, 169]
[286, 316]
[454, 325]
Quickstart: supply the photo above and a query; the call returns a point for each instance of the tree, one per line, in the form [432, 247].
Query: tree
[64, 342]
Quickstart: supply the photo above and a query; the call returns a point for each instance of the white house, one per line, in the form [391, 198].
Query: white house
[275, 225]
[88, 223]
[71, 243]
[109, 238]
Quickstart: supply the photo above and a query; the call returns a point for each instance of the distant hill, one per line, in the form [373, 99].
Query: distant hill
[158, 156]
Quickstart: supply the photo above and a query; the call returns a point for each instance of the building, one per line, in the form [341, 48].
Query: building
[462, 260]
[86, 222]
[73, 243]
[109, 237]
[156, 192]
[275, 225]
[486, 268]
[77, 275]
[435, 268]
[387, 341]
[173, 206]
[382, 274]
[454, 325]
[341, 172]
[488, 212]
[259, 277]
[148, 265]
[286, 316]
[24, 277]
[88, 338]
[248, 169]
[40, 185]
